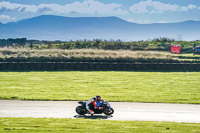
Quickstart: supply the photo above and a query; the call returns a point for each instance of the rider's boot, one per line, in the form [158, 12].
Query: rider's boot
[91, 112]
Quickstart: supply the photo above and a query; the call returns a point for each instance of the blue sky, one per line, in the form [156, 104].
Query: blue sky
[137, 11]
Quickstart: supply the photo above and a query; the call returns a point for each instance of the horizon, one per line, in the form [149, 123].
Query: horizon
[104, 28]
[99, 17]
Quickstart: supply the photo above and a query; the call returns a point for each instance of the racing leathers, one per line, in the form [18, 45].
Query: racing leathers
[93, 103]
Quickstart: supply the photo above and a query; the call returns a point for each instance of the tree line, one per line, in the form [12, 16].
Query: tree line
[11, 42]
[154, 44]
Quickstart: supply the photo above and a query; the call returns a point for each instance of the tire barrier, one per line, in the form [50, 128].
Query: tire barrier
[97, 66]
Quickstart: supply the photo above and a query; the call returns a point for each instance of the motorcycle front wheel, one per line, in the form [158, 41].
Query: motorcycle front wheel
[109, 111]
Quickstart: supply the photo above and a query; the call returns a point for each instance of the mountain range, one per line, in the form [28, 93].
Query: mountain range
[50, 27]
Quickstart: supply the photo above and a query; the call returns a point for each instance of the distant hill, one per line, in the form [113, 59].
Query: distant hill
[49, 27]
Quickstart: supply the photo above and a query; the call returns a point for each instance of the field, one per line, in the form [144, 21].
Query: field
[25, 54]
[87, 55]
[163, 87]
[24, 125]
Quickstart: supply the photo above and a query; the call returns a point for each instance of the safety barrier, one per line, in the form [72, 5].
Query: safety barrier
[97, 66]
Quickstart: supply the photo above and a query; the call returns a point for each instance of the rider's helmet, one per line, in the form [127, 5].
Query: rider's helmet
[98, 97]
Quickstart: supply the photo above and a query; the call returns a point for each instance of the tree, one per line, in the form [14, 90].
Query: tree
[31, 45]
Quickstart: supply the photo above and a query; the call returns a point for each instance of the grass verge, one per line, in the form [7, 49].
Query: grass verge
[24, 125]
[90, 55]
[163, 87]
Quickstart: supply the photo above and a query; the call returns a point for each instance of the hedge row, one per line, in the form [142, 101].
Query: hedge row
[103, 66]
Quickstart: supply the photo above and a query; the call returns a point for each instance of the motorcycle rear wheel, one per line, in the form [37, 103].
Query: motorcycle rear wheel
[80, 110]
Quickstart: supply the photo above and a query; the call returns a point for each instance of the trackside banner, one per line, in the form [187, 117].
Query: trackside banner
[176, 49]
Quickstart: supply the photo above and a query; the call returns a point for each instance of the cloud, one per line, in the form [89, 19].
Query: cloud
[184, 8]
[150, 6]
[5, 18]
[144, 21]
[85, 7]
[138, 21]
[7, 6]
[95, 7]
[190, 6]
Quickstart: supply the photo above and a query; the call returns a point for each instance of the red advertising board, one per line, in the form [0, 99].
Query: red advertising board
[176, 49]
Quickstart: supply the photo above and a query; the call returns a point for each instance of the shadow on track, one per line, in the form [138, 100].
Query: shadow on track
[93, 117]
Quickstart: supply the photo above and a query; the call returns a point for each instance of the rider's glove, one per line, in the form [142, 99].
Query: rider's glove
[100, 107]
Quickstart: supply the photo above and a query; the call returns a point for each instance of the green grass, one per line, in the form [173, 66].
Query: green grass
[187, 57]
[27, 125]
[164, 87]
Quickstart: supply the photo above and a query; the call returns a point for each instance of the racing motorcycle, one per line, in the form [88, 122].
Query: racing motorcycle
[107, 110]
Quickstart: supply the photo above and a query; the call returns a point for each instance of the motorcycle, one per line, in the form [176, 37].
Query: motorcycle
[107, 110]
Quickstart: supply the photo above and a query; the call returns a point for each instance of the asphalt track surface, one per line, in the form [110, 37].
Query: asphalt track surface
[131, 111]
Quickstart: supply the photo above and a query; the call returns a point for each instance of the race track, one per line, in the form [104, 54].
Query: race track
[123, 111]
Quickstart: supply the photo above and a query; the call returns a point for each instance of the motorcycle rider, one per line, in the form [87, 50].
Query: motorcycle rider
[93, 103]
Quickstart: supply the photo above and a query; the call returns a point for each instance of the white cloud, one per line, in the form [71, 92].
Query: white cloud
[190, 6]
[95, 7]
[145, 21]
[5, 18]
[7, 6]
[150, 6]
[184, 8]
[137, 21]
[87, 6]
